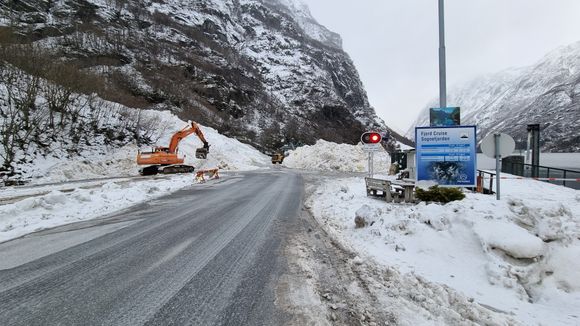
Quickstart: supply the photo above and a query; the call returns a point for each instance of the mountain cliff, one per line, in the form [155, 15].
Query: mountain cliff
[263, 71]
[547, 93]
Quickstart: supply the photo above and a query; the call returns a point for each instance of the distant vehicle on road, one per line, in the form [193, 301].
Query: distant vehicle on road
[277, 157]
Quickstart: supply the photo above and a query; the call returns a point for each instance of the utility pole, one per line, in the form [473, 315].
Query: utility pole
[442, 65]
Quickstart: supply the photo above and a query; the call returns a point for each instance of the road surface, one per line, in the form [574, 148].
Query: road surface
[206, 255]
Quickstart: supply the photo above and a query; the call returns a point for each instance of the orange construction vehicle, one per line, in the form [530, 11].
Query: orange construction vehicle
[165, 159]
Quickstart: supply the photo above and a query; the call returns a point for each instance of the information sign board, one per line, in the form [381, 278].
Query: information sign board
[447, 155]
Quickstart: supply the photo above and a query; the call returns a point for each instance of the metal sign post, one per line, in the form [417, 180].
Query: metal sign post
[498, 145]
[371, 149]
[371, 164]
[442, 63]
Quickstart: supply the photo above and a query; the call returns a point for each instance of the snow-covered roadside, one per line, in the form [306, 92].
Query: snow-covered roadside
[101, 198]
[518, 255]
[59, 208]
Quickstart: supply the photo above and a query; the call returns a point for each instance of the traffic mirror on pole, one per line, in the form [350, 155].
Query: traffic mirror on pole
[371, 138]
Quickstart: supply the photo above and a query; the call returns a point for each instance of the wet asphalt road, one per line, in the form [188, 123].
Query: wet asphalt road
[206, 255]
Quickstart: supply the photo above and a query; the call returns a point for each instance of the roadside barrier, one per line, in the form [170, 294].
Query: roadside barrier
[212, 174]
[543, 179]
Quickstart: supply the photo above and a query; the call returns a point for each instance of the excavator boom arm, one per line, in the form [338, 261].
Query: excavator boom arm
[178, 136]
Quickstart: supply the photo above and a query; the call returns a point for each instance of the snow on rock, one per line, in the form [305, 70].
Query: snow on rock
[362, 216]
[329, 156]
[518, 255]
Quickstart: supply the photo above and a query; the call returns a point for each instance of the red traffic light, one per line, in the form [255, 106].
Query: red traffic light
[371, 138]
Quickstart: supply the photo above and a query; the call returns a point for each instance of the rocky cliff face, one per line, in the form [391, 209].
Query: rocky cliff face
[547, 93]
[263, 71]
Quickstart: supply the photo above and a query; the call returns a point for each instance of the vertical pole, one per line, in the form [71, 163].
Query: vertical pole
[534, 130]
[497, 169]
[564, 183]
[370, 163]
[442, 61]
[536, 154]
[527, 161]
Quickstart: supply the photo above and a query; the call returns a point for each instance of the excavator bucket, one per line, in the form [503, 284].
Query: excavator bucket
[201, 153]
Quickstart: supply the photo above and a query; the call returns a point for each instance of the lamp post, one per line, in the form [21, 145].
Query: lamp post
[442, 67]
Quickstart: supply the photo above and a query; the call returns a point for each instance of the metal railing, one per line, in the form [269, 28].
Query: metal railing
[566, 178]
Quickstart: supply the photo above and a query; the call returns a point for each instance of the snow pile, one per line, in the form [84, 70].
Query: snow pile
[105, 161]
[92, 163]
[59, 208]
[511, 238]
[328, 156]
[225, 153]
[518, 255]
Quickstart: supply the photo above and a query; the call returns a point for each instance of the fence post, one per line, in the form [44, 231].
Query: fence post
[564, 178]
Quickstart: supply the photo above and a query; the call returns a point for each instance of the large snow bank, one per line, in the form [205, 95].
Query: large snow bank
[59, 208]
[328, 156]
[518, 255]
[101, 161]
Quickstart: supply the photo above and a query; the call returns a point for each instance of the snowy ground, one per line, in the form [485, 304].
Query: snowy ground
[52, 200]
[518, 255]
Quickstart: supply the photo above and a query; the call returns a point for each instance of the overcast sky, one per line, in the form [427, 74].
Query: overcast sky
[394, 43]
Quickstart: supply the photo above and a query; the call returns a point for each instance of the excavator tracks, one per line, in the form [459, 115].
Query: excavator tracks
[167, 169]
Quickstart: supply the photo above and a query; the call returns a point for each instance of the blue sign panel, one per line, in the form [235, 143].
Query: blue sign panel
[440, 117]
[447, 155]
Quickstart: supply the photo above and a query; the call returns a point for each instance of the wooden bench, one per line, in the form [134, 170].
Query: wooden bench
[408, 189]
[374, 186]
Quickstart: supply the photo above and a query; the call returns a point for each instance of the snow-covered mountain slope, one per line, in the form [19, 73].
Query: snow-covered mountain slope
[547, 92]
[263, 71]
[301, 13]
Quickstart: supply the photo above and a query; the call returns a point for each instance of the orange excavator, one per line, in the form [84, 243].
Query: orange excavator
[165, 159]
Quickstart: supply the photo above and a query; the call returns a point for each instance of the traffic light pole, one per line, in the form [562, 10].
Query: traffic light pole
[371, 164]
[371, 142]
